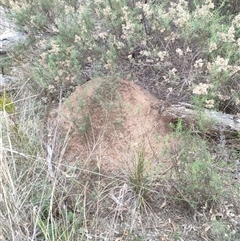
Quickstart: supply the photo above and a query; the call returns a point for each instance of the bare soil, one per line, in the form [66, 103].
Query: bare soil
[133, 120]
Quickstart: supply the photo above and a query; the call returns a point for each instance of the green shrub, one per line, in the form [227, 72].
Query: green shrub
[186, 43]
[198, 181]
[221, 231]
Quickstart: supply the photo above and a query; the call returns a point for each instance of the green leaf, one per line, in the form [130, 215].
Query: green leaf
[6, 103]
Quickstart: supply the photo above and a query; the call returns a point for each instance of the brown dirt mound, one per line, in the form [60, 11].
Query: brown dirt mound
[109, 121]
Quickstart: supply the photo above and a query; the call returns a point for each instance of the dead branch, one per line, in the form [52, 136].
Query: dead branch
[215, 121]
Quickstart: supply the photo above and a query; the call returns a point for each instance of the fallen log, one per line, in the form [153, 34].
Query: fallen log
[214, 121]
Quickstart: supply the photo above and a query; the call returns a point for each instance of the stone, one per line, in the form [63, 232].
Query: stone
[8, 39]
[7, 82]
[9, 35]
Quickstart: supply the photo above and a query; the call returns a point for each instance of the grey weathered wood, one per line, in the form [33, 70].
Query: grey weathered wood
[214, 121]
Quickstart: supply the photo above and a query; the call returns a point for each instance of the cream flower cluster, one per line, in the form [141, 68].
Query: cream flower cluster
[204, 10]
[202, 89]
[180, 13]
[220, 64]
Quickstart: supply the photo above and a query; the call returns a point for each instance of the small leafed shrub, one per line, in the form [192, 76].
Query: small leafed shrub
[183, 45]
[198, 180]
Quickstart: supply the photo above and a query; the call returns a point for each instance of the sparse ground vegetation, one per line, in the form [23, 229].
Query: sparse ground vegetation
[54, 146]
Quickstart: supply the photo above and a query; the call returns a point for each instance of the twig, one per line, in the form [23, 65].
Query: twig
[51, 142]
